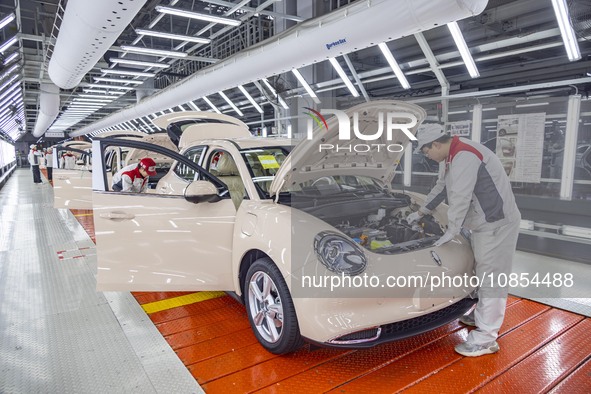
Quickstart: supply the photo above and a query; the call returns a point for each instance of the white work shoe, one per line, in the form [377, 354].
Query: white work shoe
[468, 320]
[472, 350]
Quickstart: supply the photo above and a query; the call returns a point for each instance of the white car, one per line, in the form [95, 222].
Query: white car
[268, 224]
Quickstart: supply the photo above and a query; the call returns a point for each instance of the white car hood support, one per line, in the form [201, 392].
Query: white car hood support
[357, 26]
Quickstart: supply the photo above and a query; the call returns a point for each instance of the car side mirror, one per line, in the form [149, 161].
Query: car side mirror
[201, 191]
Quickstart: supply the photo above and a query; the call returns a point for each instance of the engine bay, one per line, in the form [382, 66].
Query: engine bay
[377, 222]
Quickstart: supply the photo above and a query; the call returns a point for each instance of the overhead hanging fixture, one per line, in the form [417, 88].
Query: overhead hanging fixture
[194, 106]
[566, 31]
[115, 80]
[99, 86]
[458, 37]
[129, 73]
[300, 78]
[394, 65]
[7, 44]
[179, 37]
[211, 105]
[6, 20]
[278, 97]
[138, 63]
[234, 107]
[343, 76]
[153, 52]
[196, 15]
[250, 99]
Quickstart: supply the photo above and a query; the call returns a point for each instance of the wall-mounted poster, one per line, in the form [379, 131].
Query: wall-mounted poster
[461, 128]
[520, 145]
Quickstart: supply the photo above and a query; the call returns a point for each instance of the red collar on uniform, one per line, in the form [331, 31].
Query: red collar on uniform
[458, 146]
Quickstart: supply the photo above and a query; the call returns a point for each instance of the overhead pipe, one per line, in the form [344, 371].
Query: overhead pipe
[49, 108]
[88, 30]
[359, 25]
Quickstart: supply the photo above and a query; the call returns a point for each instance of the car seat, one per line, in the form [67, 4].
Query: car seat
[226, 171]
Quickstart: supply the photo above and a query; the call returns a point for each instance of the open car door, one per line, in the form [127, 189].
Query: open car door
[72, 186]
[156, 242]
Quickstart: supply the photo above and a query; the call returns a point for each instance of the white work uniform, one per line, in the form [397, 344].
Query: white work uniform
[129, 179]
[480, 199]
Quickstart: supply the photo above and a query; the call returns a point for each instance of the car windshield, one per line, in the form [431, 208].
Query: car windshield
[263, 164]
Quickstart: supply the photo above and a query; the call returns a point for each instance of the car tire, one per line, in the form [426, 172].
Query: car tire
[272, 317]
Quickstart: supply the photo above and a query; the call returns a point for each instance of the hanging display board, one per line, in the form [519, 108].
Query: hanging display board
[520, 145]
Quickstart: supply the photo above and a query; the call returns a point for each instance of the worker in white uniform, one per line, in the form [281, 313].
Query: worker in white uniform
[134, 177]
[35, 157]
[480, 199]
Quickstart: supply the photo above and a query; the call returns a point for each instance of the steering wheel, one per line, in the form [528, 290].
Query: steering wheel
[325, 180]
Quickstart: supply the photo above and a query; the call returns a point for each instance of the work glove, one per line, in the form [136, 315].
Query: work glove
[445, 238]
[413, 217]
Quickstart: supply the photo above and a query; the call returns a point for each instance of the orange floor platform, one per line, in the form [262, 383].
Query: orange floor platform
[543, 349]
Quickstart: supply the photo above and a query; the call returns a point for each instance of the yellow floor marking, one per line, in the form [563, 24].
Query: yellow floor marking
[170, 303]
[84, 214]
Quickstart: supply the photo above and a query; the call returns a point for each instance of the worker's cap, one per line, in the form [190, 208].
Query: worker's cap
[149, 165]
[429, 133]
[33, 146]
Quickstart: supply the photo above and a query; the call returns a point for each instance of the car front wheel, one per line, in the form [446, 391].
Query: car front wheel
[270, 308]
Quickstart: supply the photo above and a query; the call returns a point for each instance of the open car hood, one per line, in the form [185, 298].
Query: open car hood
[313, 158]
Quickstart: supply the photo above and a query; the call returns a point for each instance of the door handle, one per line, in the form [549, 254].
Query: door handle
[117, 216]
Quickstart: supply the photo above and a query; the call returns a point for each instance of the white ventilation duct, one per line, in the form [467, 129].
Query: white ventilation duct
[357, 26]
[49, 108]
[88, 29]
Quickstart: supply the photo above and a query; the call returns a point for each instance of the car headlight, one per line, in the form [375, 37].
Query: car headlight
[339, 254]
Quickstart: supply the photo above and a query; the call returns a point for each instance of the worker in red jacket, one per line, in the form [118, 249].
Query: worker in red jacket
[134, 178]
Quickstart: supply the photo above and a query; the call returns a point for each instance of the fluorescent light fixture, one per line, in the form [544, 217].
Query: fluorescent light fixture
[146, 123]
[234, 107]
[10, 71]
[211, 105]
[7, 44]
[153, 52]
[91, 100]
[99, 86]
[394, 65]
[101, 91]
[300, 78]
[566, 31]
[152, 33]
[343, 76]
[115, 80]
[181, 108]
[485, 109]
[457, 112]
[530, 105]
[98, 96]
[6, 20]
[574, 231]
[138, 63]
[195, 15]
[123, 72]
[10, 58]
[249, 98]
[281, 101]
[192, 105]
[463, 48]
[9, 83]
